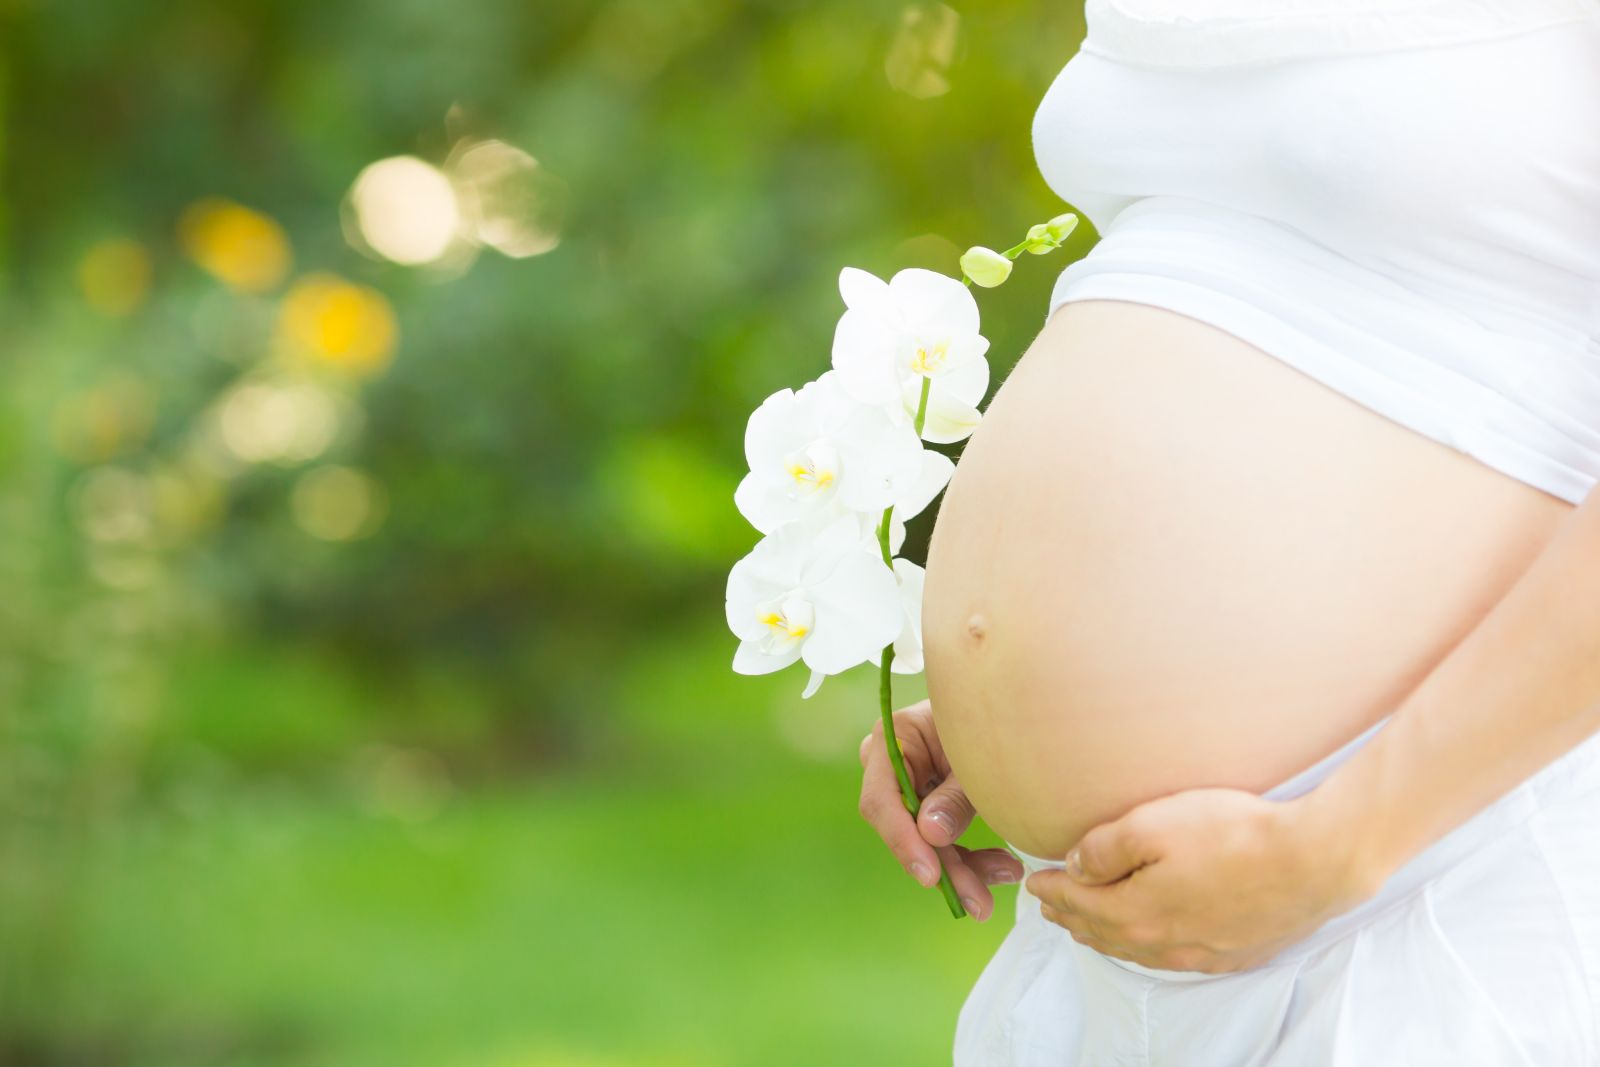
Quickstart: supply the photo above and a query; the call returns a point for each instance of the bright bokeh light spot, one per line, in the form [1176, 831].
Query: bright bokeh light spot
[347, 326]
[113, 504]
[244, 249]
[337, 503]
[513, 204]
[406, 210]
[923, 48]
[114, 276]
[264, 422]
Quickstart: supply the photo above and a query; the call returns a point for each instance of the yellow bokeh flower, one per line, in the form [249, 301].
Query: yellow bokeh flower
[246, 250]
[332, 321]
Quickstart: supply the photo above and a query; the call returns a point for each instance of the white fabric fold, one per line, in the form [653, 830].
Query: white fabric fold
[1483, 950]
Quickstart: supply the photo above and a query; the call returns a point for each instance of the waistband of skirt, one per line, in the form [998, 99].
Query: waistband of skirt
[1574, 772]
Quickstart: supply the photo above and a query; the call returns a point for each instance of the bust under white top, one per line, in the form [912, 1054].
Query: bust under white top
[1401, 198]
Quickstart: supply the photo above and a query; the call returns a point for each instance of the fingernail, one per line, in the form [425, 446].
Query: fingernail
[971, 906]
[920, 872]
[1074, 864]
[1005, 877]
[944, 822]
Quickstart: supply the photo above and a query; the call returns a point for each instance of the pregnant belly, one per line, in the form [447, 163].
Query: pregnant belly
[1168, 560]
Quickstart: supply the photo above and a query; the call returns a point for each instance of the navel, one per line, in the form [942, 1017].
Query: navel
[977, 627]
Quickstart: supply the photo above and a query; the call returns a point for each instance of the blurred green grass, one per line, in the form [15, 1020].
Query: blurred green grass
[694, 903]
[365, 696]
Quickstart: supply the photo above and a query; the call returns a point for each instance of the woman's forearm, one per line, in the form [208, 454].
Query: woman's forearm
[1519, 690]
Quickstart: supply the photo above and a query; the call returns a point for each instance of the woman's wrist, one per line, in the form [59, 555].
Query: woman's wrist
[1337, 837]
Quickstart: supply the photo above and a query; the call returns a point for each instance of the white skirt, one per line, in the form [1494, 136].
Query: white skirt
[1483, 950]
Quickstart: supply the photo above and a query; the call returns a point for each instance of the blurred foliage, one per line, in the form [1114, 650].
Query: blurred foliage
[360, 636]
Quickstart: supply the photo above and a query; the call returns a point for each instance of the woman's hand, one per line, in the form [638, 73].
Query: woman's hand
[944, 817]
[1210, 880]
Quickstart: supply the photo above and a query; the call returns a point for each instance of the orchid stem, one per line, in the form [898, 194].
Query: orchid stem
[908, 792]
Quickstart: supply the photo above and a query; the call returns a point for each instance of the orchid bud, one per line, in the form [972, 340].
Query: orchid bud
[1062, 225]
[1040, 240]
[985, 266]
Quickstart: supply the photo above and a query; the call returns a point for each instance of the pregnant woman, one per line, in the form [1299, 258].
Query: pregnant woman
[1262, 615]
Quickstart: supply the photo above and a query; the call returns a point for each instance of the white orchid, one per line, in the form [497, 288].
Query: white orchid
[919, 327]
[908, 646]
[820, 453]
[837, 467]
[821, 595]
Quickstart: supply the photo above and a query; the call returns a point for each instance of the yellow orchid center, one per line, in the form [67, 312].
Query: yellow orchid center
[788, 620]
[929, 360]
[812, 469]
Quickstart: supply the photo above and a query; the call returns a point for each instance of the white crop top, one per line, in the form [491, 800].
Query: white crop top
[1400, 198]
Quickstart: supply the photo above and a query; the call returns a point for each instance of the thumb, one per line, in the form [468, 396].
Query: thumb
[945, 815]
[1109, 852]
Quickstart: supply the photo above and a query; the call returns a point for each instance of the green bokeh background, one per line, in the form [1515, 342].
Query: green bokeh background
[477, 788]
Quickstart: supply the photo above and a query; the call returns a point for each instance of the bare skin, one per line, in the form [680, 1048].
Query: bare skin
[1169, 562]
[1218, 880]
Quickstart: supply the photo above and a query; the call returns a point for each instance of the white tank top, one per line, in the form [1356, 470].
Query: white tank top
[1400, 198]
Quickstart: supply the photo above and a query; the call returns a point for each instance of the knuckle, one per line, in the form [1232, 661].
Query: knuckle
[956, 797]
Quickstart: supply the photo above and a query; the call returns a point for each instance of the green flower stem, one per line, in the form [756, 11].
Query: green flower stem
[908, 792]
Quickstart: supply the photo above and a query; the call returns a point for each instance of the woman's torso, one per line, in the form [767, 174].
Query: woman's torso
[1170, 559]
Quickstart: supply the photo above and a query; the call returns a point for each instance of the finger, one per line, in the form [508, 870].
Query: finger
[1113, 850]
[975, 896]
[1102, 907]
[918, 719]
[919, 745]
[884, 809]
[995, 866]
[1083, 928]
[1071, 922]
[1082, 936]
[919, 752]
[946, 813]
